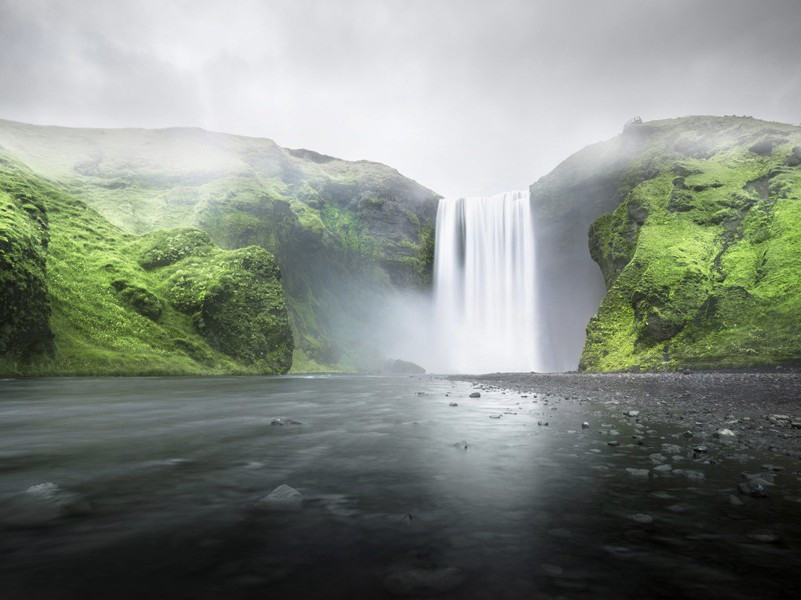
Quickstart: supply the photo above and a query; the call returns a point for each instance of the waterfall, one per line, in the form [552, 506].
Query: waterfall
[484, 284]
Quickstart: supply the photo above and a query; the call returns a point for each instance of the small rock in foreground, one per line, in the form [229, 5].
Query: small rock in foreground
[475, 395]
[283, 498]
[281, 421]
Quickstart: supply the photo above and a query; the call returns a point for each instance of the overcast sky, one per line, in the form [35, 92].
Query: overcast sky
[468, 97]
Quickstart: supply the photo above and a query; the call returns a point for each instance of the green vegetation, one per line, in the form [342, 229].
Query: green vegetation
[333, 226]
[94, 309]
[701, 256]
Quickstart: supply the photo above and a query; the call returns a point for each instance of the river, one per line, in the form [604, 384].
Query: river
[156, 485]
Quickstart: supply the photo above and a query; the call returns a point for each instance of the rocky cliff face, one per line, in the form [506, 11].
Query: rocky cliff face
[342, 233]
[699, 246]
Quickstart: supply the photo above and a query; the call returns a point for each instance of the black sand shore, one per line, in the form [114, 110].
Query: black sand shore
[762, 409]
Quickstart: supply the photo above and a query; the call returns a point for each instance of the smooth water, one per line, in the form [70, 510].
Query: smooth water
[169, 472]
[484, 275]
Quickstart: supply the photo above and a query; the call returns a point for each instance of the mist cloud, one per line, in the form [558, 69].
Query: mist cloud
[467, 97]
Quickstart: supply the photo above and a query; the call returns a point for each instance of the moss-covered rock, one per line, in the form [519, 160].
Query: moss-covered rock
[237, 305]
[696, 257]
[165, 247]
[75, 298]
[24, 236]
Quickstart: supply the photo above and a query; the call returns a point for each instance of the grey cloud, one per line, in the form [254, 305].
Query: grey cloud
[467, 97]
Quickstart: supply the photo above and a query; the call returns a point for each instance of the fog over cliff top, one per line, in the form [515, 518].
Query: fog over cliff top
[467, 97]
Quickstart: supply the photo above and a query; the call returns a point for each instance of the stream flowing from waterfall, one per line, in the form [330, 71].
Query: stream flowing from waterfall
[484, 282]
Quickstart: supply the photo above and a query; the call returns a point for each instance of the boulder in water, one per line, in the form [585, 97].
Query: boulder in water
[282, 498]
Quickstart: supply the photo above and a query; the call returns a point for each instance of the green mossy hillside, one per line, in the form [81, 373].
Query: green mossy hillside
[701, 258]
[83, 297]
[331, 224]
[24, 237]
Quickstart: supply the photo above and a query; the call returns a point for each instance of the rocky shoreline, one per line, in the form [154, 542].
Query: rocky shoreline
[761, 409]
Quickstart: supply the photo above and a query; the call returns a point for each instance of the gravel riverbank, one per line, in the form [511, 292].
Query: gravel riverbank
[761, 409]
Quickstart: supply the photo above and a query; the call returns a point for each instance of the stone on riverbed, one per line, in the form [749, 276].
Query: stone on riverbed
[756, 488]
[43, 503]
[637, 472]
[282, 498]
[282, 421]
[643, 518]
[475, 395]
[424, 582]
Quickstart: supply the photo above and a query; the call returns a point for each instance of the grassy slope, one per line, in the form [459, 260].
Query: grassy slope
[100, 295]
[701, 257]
[333, 225]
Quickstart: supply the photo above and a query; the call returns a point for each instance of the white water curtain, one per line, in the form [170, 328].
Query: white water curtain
[484, 273]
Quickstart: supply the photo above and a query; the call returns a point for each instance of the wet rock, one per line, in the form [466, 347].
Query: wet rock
[283, 421]
[663, 469]
[753, 488]
[642, 518]
[764, 535]
[495, 416]
[613, 443]
[633, 413]
[688, 434]
[734, 500]
[637, 472]
[585, 425]
[657, 458]
[662, 495]
[475, 395]
[40, 504]
[671, 449]
[461, 445]
[724, 433]
[453, 404]
[424, 582]
[677, 508]
[765, 478]
[282, 498]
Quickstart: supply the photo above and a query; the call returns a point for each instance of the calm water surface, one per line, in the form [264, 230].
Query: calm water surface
[158, 482]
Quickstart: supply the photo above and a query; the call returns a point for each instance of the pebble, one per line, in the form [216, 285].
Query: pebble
[453, 404]
[585, 425]
[637, 472]
[643, 518]
[475, 395]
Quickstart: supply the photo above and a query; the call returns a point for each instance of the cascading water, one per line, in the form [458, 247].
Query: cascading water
[484, 275]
